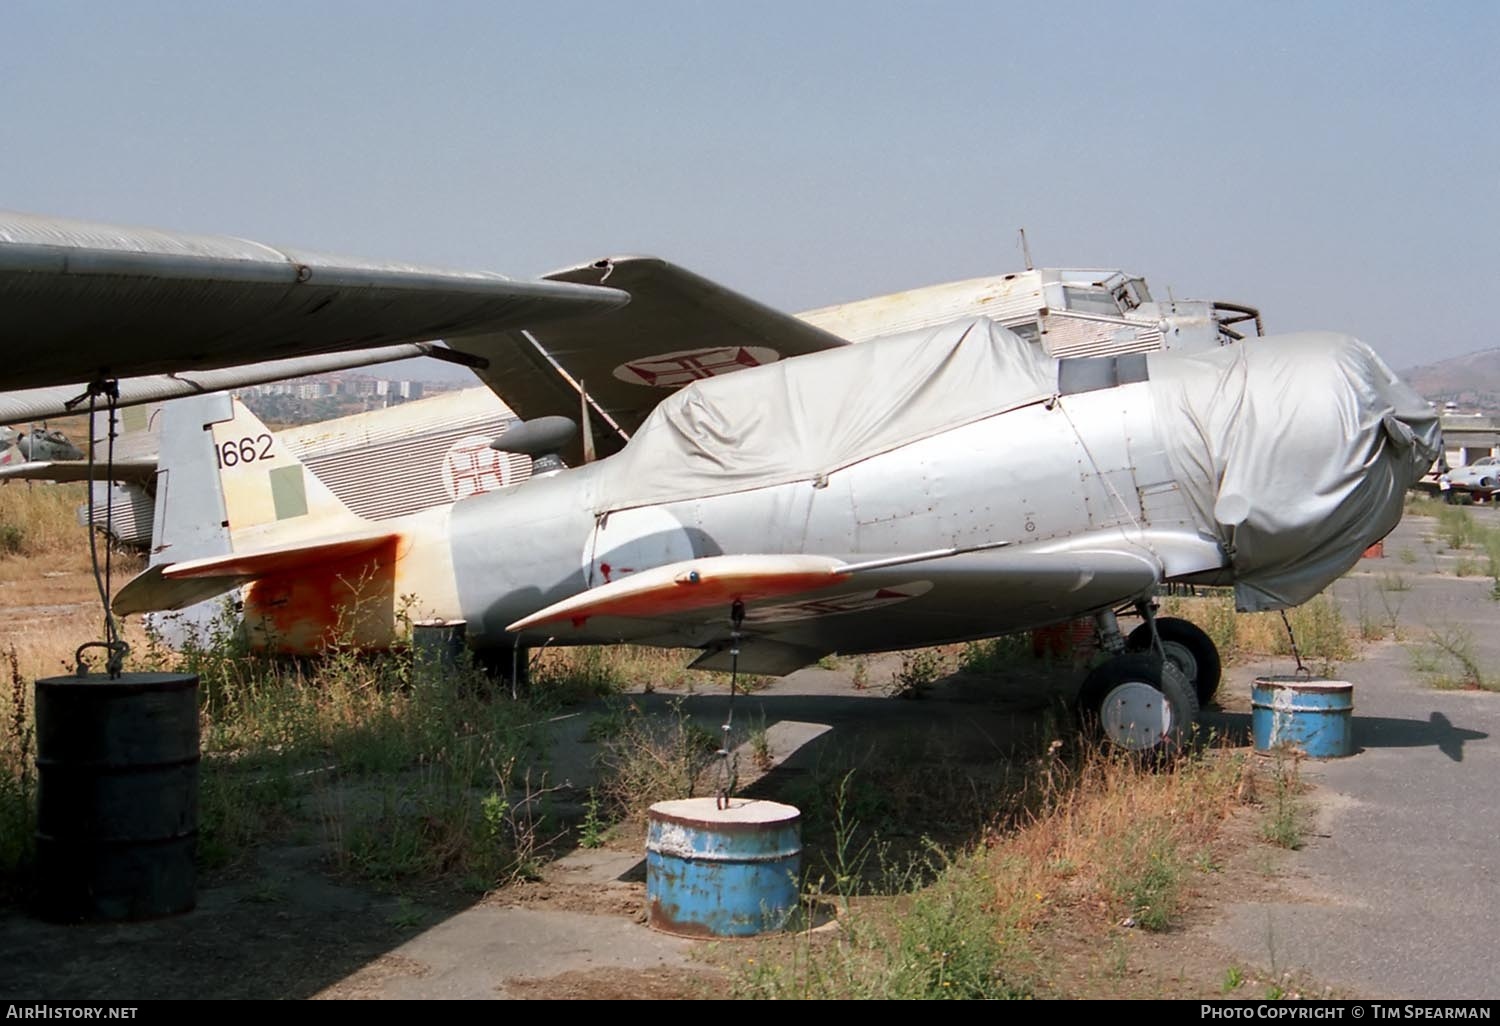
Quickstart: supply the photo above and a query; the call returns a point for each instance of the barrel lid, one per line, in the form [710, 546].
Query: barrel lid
[1295, 682]
[705, 812]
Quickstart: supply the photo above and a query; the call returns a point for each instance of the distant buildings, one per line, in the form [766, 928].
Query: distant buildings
[305, 400]
[358, 386]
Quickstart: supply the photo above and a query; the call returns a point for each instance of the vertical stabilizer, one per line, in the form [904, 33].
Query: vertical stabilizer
[190, 522]
[225, 484]
[269, 496]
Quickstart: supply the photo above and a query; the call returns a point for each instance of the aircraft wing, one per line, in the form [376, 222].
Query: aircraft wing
[82, 301]
[137, 470]
[31, 404]
[799, 608]
[679, 327]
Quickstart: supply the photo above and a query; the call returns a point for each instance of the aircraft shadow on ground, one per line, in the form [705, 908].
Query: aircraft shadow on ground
[282, 925]
[957, 733]
[1436, 731]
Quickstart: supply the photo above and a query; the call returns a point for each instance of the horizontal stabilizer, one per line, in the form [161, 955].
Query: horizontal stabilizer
[176, 585]
[693, 584]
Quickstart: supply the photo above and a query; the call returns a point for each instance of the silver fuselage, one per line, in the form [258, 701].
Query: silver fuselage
[1086, 471]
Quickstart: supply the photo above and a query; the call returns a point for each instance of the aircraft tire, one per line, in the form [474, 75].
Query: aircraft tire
[1139, 703]
[1187, 645]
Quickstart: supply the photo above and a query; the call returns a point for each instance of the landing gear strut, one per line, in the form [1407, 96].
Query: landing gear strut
[1185, 644]
[506, 664]
[1138, 700]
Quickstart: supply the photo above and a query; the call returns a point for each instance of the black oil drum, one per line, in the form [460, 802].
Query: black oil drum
[117, 796]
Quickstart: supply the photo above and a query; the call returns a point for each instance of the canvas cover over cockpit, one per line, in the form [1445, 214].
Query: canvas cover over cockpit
[799, 419]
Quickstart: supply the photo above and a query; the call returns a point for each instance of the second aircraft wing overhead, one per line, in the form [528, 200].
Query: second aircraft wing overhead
[679, 327]
[84, 301]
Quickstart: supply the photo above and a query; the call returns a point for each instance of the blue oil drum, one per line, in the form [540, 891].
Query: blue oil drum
[117, 796]
[713, 872]
[1314, 717]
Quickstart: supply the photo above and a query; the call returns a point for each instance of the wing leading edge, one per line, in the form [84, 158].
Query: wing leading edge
[798, 608]
[83, 301]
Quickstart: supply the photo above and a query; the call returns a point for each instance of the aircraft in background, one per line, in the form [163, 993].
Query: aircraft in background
[382, 463]
[35, 445]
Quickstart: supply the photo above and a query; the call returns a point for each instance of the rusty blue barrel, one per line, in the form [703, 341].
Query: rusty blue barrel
[1314, 717]
[117, 796]
[713, 872]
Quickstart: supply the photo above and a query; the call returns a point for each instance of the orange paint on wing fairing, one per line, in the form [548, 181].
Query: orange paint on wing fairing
[340, 602]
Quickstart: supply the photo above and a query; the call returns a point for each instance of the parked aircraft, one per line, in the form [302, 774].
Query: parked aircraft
[958, 480]
[938, 486]
[36, 444]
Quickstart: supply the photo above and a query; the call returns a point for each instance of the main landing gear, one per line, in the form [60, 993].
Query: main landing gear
[1145, 697]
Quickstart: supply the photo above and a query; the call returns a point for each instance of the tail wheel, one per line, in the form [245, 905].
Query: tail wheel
[1139, 702]
[1189, 648]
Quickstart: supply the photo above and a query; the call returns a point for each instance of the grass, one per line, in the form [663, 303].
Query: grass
[17, 785]
[920, 668]
[593, 830]
[1456, 527]
[1324, 637]
[1284, 824]
[406, 771]
[996, 655]
[939, 943]
[572, 675]
[1448, 660]
[1085, 842]
[1375, 624]
[649, 761]
[40, 520]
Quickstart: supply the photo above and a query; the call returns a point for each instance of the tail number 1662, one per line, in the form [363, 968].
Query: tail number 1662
[244, 450]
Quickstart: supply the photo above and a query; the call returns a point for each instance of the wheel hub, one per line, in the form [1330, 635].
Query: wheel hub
[1136, 716]
[1178, 653]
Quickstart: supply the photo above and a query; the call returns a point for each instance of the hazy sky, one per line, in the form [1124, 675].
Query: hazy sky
[1336, 164]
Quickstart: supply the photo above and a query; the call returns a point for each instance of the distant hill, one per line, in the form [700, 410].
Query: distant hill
[1471, 380]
